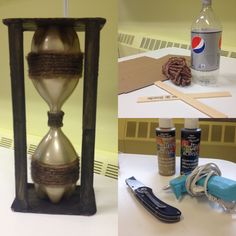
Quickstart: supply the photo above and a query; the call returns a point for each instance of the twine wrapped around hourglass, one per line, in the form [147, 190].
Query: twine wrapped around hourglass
[55, 67]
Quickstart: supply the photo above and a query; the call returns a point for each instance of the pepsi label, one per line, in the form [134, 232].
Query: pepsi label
[205, 53]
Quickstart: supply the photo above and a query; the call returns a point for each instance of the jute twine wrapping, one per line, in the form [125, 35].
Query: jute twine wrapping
[53, 65]
[52, 175]
[177, 70]
[55, 119]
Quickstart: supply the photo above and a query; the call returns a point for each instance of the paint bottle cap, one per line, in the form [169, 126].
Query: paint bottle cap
[191, 123]
[165, 123]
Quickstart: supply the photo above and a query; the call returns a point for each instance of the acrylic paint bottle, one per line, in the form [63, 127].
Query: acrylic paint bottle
[190, 145]
[166, 144]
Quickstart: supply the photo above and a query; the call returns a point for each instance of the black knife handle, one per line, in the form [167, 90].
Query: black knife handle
[158, 208]
[150, 195]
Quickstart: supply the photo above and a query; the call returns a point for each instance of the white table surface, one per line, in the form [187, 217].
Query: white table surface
[200, 217]
[104, 222]
[129, 108]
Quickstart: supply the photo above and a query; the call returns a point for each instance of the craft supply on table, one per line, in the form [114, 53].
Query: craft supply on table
[207, 180]
[177, 70]
[190, 145]
[192, 95]
[206, 39]
[191, 101]
[141, 72]
[158, 208]
[166, 145]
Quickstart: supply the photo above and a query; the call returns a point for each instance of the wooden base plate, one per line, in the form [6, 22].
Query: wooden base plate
[71, 206]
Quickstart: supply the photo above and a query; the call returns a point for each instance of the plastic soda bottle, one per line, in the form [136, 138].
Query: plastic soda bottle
[206, 33]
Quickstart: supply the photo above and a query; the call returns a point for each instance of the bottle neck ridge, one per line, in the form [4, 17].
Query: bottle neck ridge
[206, 7]
[206, 2]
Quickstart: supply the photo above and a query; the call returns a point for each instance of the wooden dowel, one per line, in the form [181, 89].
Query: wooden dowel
[19, 121]
[89, 110]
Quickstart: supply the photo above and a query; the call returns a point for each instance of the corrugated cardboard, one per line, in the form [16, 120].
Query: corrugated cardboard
[141, 72]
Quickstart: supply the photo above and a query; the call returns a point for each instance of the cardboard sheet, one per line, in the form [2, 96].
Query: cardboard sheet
[141, 72]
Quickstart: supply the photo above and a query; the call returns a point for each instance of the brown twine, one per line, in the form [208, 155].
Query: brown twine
[53, 65]
[55, 119]
[177, 70]
[55, 174]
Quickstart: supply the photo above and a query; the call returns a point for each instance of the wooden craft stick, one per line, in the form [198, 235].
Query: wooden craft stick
[191, 101]
[211, 94]
[193, 95]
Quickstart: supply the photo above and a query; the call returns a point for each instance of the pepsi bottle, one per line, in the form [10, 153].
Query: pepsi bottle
[206, 34]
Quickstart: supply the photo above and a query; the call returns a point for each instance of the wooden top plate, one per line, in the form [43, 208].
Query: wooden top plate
[31, 24]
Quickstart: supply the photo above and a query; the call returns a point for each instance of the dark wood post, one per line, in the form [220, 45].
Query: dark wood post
[89, 112]
[18, 103]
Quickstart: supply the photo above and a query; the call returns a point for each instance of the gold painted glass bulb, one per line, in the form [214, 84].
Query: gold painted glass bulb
[55, 66]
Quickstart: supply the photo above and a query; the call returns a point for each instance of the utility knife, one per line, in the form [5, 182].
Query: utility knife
[158, 208]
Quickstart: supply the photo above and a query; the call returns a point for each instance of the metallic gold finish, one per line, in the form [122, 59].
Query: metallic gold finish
[55, 91]
[55, 39]
[55, 148]
[52, 39]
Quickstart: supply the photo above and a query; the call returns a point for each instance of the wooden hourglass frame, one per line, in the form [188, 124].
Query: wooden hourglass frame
[82, 201]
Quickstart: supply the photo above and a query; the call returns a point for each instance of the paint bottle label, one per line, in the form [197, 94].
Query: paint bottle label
[166, 146]
[190, 144]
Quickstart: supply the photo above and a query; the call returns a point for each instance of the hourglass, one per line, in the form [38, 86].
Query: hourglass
[55, 67]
